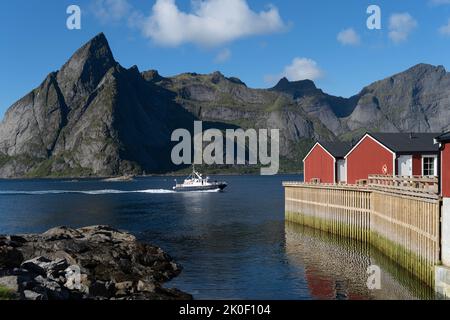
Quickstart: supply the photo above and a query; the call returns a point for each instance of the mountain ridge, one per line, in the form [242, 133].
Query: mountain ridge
[94, 117]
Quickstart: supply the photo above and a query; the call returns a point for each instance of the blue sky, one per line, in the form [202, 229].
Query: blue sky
[258, 41]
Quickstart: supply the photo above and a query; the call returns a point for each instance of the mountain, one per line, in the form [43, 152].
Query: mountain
[416, 100]
[92, 117]
[95, 118]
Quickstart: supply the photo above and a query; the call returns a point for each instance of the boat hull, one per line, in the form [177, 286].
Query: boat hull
[218, 187]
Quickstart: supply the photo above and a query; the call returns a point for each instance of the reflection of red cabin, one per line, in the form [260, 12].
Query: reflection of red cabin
[325, 162]
[444, 141]
[401, 154]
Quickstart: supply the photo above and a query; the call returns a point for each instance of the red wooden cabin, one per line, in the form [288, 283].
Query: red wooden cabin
[325, 163]
[395, 154]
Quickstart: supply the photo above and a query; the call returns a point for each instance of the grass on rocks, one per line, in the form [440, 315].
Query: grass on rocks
[6, 294]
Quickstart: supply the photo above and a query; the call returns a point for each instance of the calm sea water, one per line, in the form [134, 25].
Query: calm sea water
[232, 245]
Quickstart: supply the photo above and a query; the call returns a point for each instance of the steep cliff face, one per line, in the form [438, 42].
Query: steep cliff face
[218, 99]
[94, 117]
[416, 100]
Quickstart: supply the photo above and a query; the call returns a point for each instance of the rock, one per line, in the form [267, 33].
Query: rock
[34, 296]
[73, 278]
[96, 262]
[61, 233]
[55, 291]
[37, 265]
[10, 282]
[105, 233]
[40, 280]
[46, 267]
[102, 289]
[145, 286]
[124, 288]
[10, 257]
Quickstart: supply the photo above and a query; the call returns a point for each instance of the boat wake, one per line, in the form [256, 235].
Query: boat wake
[96, 192]
[86, 192]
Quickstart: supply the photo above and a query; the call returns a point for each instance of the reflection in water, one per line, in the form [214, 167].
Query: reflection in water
[335, 267]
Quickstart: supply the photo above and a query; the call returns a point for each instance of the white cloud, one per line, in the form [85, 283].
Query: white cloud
[299, 69]
[210, 22]
[445, 29]
[223, 56]
[401, 25]
[111, 10]
[349, 37]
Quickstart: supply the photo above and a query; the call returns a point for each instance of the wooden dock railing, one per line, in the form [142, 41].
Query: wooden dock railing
[412, 186]
[399, 216]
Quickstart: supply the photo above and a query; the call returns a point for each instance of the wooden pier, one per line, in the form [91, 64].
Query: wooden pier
[399, 216]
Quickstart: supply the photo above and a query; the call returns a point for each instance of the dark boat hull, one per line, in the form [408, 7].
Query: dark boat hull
[218, 187]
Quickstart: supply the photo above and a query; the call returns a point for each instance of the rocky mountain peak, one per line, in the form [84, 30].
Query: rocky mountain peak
[296, 88]
[152, 76]
[418, 73]
[217, 77]
[87, 66]
[425, 68]
[96, 53]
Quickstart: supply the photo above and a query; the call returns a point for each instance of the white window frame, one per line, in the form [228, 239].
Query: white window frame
[435, 157]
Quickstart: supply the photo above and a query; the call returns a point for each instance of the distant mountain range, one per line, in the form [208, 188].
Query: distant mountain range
[95, 118]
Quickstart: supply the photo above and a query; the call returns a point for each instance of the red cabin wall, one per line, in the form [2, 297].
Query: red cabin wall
[417, 165]
[319, 165]
[445, 170]
[369, 157]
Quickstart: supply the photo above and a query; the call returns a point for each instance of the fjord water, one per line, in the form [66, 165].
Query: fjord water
[232, 245]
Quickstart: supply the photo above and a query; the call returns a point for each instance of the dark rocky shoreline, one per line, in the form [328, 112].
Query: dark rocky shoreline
[94, 263]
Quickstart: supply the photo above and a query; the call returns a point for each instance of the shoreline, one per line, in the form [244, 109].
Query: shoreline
[117, 178]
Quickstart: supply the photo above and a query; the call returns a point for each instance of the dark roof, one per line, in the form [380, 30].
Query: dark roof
[444, 137]
[336, 148]
[408, 142]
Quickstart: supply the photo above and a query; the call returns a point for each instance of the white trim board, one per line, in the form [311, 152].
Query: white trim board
[312, 149]
[327, 152]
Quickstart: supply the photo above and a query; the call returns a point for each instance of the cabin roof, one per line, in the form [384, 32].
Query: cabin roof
[443, 137]
[336, 148]
[408, 142]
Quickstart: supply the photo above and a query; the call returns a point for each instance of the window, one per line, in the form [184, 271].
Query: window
[429, 166]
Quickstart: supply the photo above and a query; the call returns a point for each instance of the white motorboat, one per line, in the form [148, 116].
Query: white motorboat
[196, 182]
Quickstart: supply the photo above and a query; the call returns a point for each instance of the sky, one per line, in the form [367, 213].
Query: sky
[258, 41]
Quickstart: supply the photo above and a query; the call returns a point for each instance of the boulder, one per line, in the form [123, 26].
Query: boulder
[31, 295]
[124, 288]
[36, 265]
[10, 257]
[144, 286]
